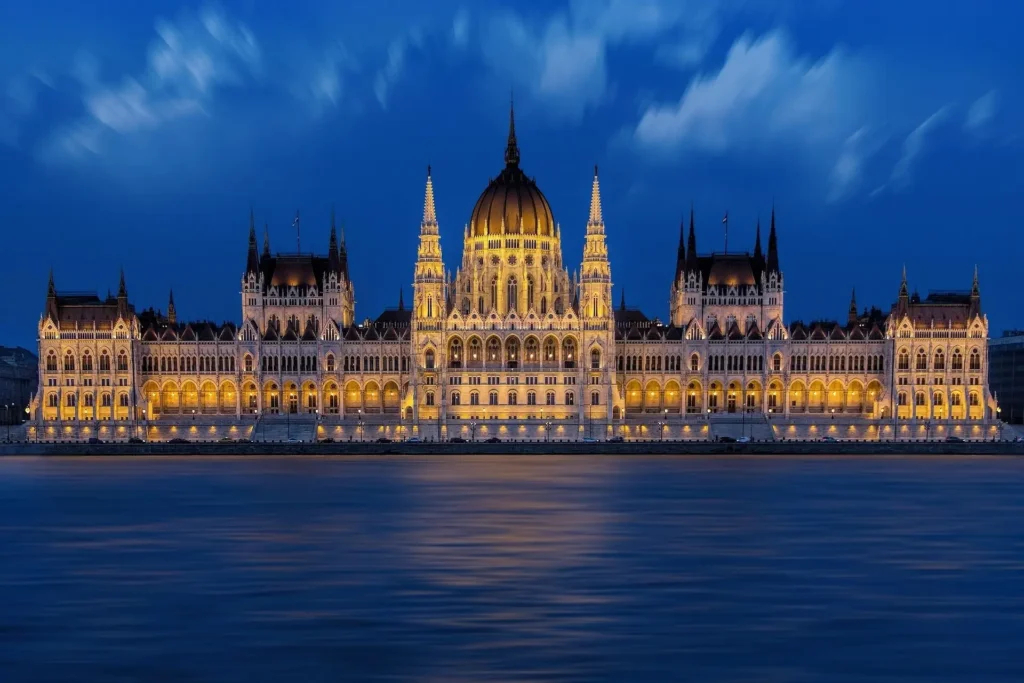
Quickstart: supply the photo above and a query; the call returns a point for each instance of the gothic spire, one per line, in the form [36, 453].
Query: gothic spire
[512, 148]
[904, 291]
[595, 202]
[333, 257]
[429, 210]
[51, 289]
[681, 250]
[975, 289]
[852, 313]
[252, 263]
[691, 246]
[266, 241]
[122, 291]
[401, 302]
[622, 299]
[757, 241]
[172, 313]
[773, 247]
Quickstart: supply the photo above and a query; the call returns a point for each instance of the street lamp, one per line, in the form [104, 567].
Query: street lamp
[472, 426]
[359, 424]
[7, 419]
[547, 432]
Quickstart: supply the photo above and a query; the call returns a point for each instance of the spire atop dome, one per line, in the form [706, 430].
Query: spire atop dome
[595, 202]
[512, 148]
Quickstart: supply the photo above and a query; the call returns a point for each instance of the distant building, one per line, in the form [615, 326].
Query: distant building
[514, 345]
[18, 381]
[1006, 374]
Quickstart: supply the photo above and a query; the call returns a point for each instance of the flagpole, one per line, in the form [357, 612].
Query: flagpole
[298, 230]
[725, 220]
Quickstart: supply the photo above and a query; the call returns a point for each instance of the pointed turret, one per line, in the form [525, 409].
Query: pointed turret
[904, 290]
[691, 247]
[772, 264]
[429, 210]
[266, 241]
[975, 294]
[512, 148]
[595, 204]
[51, 298]
[622, 299]
[757, 242]
[680, 252]
[172, 313]
[401, 300]
[252, 261]
[51, 289]
[333, 255]
[122, 297]
[852, 317]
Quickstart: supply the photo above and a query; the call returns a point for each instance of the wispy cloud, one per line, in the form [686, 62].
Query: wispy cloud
[186, 64]
[847, 174]
[393, 67]
[764, 93]
[914, 147]
[562, 61]
[981, 112]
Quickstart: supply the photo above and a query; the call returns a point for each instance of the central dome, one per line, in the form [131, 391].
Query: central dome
[512, 204]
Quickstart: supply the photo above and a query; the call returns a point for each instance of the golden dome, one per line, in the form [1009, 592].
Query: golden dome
[512, 200]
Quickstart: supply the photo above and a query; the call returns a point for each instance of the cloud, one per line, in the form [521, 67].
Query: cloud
[763, 93]
[562, 60]
[391, 71]
[848, 172]
[914, 146]
[460, 28]
[981, 112]
[187, 63]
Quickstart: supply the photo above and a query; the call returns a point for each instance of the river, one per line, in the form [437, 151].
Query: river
[525, 568]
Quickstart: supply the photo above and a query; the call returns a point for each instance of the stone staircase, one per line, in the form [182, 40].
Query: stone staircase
[284, 428]
[754, 426]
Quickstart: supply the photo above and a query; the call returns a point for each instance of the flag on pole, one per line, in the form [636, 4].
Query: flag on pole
[298, 240]
[725, 218]
[725, 222]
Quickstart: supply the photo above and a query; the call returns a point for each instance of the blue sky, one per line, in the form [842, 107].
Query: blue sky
[139, 134]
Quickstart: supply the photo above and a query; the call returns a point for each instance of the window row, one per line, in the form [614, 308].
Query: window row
[649, 363]
[88, 400]
[87, 364]
[512, 398]
[956, 361]
[874, 363]
[152, 364]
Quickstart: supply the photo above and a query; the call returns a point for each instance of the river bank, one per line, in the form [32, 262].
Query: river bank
[517, 448]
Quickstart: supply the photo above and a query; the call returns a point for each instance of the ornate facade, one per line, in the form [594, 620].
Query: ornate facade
[513, 345]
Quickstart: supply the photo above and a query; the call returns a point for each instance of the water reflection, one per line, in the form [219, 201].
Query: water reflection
[528, 568]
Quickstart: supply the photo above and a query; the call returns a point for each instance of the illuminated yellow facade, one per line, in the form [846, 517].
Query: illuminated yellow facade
[513, 345]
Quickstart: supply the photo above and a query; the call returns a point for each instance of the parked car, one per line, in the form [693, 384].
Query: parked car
[589, 439]
[743, 439]
[456, 439]
[828, 439]
[493, 439]
[616, 439]
[383, 439]
[726, 439]
[93, 439]
[178, 439]
[134, 439]
[414, 439]
[226, 439]
[954, 439]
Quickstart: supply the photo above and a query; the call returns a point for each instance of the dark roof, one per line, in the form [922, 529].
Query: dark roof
[728, 269]
[630, 316]
[394, 317]
[79, 307]
[295, 270]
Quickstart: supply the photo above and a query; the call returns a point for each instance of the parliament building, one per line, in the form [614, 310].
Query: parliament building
[513, 346]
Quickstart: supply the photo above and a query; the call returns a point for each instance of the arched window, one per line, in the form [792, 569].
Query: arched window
[52, 401]
[475, 352]
[694, 362]
[919, 399]
[955, 400]
[595, 359]
[531, 349]
[430, 307]
[51, 362]
[512, 292]
[480, 305]
[456, 398]
[558, 306]
[86, 362]
[901, 399]
[570, 398]
[958, 360]
[465, 305]
[569, 352]
[550, 398]
[512, 352]
[529, 292]
[940, 360]
[494, 293]
[975, 360]
[430, 398]
[777, 363]
[428, 358]
[71, 401]
[595, 398]
[543, 305]
[69, 362]
[122, 362]
[549, 350]
[122, 400]
[922, 360]
[493, 350]
[330, 362]
[531, 398]
[974, 399]
[904, 360]
[87, 400]
[455, 353]
[474, 399]
[492, 398]
[513, 398]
